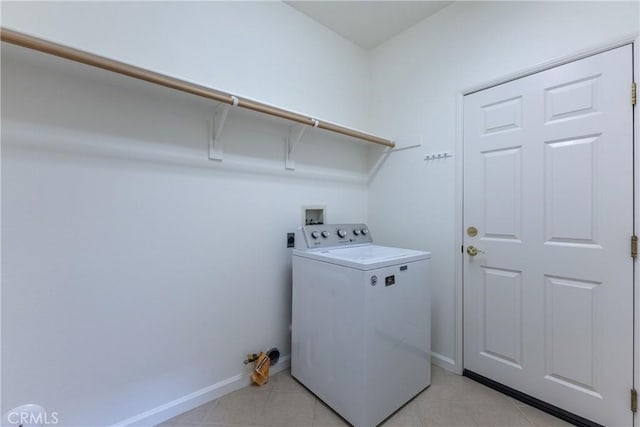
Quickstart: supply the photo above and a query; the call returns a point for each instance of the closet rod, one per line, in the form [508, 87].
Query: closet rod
[93, 60]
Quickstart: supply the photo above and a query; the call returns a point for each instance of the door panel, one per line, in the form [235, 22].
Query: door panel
[572, 344]
[502, 193]
[570, 198]
[502, 316]
[572, 99]
[502, 116]
[548, 183]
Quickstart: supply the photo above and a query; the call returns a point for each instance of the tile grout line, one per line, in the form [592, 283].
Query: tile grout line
[313, 418]
[422, 421]
[519, 407]
[212, 409]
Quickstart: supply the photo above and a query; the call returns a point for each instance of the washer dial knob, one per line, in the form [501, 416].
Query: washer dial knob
[315, 234]
[364, 231]
[356, 232]
[342, 234]
[325, 234]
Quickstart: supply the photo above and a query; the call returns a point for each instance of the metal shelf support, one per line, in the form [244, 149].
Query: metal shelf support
[293, 138]
[219, 118]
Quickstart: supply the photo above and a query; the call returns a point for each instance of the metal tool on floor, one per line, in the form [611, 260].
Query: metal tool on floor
[263, 362]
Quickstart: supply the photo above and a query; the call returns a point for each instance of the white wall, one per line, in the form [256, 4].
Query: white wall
[127, 240]
[264, 50]
[134, 270]
[416, 78]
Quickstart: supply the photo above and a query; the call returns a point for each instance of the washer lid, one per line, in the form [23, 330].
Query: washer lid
[365, 257]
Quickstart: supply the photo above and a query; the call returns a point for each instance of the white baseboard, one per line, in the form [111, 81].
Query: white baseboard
[199, 397]
[444, 362]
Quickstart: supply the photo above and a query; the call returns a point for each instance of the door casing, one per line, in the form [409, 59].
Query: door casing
[459, 185]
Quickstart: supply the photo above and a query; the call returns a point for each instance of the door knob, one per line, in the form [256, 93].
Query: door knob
[473, 251]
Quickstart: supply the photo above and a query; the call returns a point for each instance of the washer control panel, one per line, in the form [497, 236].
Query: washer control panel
[329, 235]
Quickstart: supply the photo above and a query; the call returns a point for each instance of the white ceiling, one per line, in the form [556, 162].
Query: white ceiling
[368, 23]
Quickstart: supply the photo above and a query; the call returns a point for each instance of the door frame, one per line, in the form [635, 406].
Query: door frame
[634, 40]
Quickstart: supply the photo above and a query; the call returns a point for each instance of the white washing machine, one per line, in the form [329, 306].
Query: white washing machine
[361, 321]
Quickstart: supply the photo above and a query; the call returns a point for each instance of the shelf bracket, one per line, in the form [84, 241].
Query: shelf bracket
[383, 158]
[402, 144]
[294, 136]
[219, 118]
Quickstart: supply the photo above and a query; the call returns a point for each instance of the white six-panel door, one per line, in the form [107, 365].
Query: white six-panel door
[548, 183]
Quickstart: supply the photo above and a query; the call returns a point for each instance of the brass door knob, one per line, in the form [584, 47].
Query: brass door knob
[473, 251]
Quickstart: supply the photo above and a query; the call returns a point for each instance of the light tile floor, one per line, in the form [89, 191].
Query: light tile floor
[451, 401]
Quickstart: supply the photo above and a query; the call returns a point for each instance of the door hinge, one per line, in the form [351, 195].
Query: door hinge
[634, 246]
[634, 400]
[633, 93]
